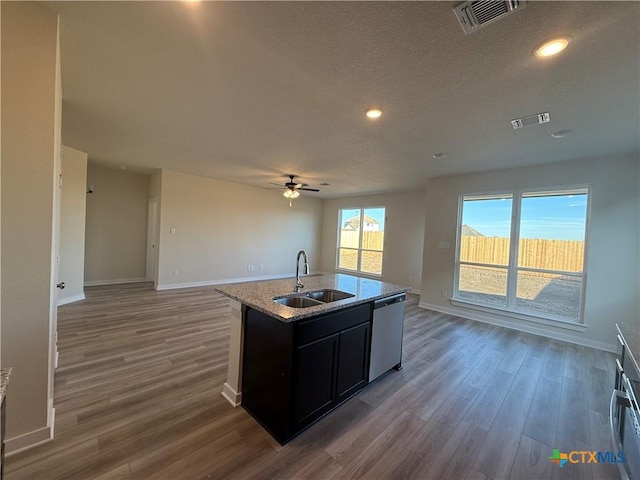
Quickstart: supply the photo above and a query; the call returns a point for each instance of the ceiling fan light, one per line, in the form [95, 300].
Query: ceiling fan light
[291, 194]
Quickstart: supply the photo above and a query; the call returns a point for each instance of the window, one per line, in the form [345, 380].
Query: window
[361, 239]
[524, 252]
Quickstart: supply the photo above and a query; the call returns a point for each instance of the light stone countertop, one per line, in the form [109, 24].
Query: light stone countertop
[259, 295]
[5, 376]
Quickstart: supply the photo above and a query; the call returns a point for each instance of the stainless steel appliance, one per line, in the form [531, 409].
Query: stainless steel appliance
[386, 335]
[624, 415]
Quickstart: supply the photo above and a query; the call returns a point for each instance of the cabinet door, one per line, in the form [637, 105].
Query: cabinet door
[317, 368]
[353, 363]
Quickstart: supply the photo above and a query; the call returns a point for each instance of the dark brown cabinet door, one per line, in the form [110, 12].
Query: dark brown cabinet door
[316, 379]
[353, 367]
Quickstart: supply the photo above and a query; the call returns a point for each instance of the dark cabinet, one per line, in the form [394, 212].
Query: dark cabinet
[294, 373]
[317, 366]
[353, 371]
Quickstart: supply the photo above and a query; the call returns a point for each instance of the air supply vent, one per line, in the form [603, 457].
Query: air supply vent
[530, 120]
[476, 14]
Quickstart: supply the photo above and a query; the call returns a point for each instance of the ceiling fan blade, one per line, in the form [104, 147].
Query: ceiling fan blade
[300, 185]
[309, 189]
[278, 184]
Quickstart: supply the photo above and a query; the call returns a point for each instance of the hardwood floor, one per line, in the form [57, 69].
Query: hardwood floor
[137, 395]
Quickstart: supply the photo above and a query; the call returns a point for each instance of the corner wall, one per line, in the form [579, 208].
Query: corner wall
[29, 48]
[404, 234]
[612, 282]
[221, 228]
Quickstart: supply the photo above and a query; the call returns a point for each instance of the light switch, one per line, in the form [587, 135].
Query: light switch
[172, 230]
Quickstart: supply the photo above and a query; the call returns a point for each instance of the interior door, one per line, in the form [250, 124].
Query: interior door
[56, 283]
[152, 238]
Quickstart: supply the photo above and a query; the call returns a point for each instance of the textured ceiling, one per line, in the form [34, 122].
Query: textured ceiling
[247, 92]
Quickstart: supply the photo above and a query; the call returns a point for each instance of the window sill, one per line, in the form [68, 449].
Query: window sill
[358, 273]
[566, 324]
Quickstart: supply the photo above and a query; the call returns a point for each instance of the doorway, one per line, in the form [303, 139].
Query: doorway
[152, 239]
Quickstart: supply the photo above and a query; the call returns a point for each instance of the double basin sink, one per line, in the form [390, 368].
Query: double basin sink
[312, 299]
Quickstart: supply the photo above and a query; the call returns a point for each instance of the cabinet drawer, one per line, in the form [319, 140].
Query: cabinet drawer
[331, 323]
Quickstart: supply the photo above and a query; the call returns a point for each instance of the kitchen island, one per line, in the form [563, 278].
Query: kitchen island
[290, 365]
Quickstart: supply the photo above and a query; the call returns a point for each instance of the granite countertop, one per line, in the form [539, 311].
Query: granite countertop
[259, 295]
[630, 330]
[5, 375]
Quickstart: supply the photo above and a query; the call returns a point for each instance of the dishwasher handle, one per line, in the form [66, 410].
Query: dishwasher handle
[383, 302]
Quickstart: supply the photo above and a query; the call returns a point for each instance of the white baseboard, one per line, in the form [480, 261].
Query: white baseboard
[479, 317]
[75, 298]
[117, 281]
[233, 397]
[28, 440]
[205, 283]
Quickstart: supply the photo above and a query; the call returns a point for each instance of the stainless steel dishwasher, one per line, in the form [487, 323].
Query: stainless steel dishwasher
[386, 335]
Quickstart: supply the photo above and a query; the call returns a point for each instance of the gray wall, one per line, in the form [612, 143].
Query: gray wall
[612, 257]
[404, 234]
[116, 231]
[222, 227]
[30, 103]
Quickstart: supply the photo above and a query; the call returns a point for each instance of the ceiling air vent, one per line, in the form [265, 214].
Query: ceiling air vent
[530, 120]
[476, 14]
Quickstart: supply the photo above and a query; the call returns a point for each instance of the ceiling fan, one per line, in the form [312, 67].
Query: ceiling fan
[292, 189]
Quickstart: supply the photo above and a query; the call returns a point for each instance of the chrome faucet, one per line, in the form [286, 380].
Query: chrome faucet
[299, 284]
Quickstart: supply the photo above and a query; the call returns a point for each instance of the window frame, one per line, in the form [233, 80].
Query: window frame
[512, 267]
[359, 250]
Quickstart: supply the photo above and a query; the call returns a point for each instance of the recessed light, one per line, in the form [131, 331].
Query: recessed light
[374, 113]
[553, 46]
[561, 133]
[123, 167]
[440, 155]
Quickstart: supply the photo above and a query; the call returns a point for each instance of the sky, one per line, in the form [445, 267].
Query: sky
[377, 213]
[559, 217]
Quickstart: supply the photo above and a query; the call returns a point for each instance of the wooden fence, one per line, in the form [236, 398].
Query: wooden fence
[370, 240]
[562, 255]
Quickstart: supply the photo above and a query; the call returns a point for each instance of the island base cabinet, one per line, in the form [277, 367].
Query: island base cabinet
[354, 361]
[317, 367]
[267, 369]
[295, 373]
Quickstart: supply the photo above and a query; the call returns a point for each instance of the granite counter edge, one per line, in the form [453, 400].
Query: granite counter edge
[312, 311]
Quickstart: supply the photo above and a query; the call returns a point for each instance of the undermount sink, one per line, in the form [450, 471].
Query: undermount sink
[297, 302]
[312, 299]
[328, 296]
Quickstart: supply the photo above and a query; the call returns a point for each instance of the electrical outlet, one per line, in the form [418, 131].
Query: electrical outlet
[444, 294]
[172, 230]
[175, 272]
[250, 268]
[260, 267]
[444, 245]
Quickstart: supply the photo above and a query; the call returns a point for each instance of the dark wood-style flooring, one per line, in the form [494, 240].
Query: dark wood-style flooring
[137, 395]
